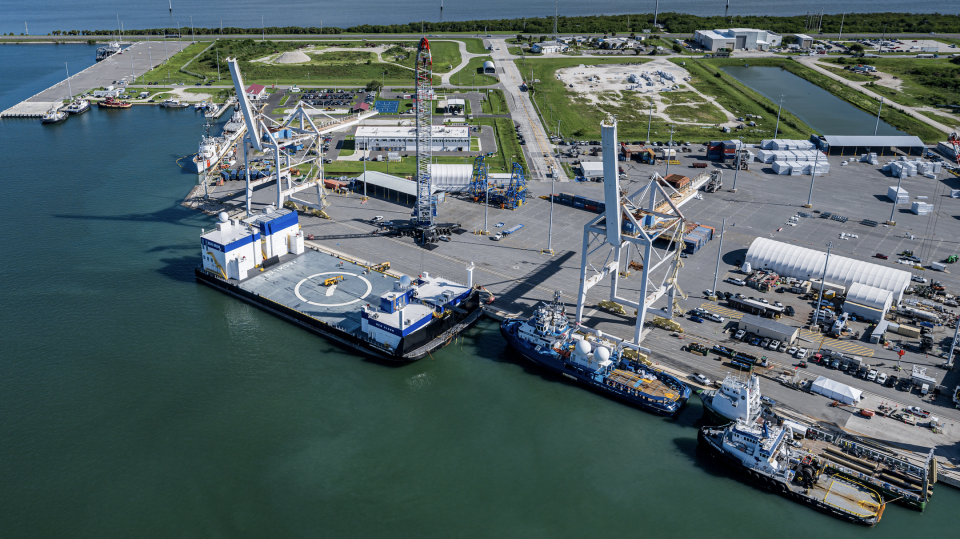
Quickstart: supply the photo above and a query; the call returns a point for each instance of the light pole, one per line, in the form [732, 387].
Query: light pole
[840, 37]
[716, 274]
[149, 53]
[553, 178]
[218, 65]
[823, 278]
[896, 197]
[263, 31]
[669, 149]
[650, 120]
[736, 164]
[193, 33]
[953, 345]
[813, 177]
[179, 39]
[875, 129]
[777, 129]
[69, 88]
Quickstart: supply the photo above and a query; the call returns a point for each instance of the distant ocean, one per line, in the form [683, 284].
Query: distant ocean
[44, 16]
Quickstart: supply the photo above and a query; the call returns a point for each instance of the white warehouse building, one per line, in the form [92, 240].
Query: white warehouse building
[802, 263]
[404, 139]
[867, 302]
[737, 39]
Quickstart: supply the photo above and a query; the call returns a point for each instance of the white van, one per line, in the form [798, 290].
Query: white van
[924, 389]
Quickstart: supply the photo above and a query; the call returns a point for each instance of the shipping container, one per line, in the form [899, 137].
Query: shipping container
[566, 197]
[590, 207]
[580, 205]
[707, 232]
[579, 200]
[628, 227]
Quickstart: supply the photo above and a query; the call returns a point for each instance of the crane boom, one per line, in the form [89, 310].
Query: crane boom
[425, 211]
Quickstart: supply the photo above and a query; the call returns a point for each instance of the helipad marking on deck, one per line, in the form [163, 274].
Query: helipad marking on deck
[296, 289]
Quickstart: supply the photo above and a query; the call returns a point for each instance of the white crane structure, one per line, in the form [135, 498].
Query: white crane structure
[426, 209]
[283, 140]
[649, 221]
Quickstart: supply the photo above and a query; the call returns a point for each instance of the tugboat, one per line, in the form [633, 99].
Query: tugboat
[107, 51]
[767, 456]
[53, 116]
[601, 362]
[111, 103]
[735, 400]
[78, 106]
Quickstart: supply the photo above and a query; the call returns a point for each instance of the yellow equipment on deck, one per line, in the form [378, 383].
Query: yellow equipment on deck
[332, 280]
[381, 267]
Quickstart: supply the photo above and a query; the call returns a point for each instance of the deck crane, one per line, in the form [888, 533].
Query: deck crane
[954, 140]
[297, 133]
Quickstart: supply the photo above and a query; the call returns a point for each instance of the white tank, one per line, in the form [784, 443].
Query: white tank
[583, 347]
[746, 267]
[602, 354]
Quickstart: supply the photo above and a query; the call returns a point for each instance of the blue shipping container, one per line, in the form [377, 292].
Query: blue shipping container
[580, 205]
[706, 232]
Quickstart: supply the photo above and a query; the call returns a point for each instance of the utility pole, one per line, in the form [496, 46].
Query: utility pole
[149, 53]
[553, 178]
[193, 34]
[777, 129]
[840, 37]
[365, 154]
[877, 127]
[218, 65]
[813, 177]
[655, 13]
[736, 169]
[263, 31]
[716, 274]
[179, 38]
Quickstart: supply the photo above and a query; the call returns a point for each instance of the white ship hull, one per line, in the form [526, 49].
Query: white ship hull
[202, 164]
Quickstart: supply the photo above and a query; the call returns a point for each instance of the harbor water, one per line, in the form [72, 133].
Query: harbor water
[137, 403]
[46, 16]
[821, 110]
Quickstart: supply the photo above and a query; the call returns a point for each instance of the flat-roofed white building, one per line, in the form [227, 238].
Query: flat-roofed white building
[549, 47]
[404, 139]
[737, 39]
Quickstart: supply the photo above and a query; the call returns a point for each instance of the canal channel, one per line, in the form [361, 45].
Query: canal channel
[821, 110]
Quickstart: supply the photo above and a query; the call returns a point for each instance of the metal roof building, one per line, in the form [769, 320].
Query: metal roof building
[867, 302]
[592, 169]
[450, 178]
[766, 327]
[489, 67]
[802, 263]
[881, 144]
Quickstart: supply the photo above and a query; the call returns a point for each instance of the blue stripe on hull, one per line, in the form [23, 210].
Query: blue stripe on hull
[548, 362]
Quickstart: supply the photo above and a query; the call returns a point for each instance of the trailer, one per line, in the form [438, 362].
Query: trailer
[512, 229]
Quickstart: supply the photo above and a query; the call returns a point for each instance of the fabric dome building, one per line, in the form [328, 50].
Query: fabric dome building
[802, 263]
[867, 302]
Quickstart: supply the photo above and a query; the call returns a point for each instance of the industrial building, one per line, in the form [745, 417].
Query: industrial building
[592, 169]
[737, 39]
[804, 41]
[857, 145]
[404, 139]
[489, 67]
[768, 328]
[808, 264]
[388, 187]
[549, 46]
[867, 302]
[256, 91]
[453, 105]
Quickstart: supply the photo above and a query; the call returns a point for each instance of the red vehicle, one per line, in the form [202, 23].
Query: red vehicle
[881, 256]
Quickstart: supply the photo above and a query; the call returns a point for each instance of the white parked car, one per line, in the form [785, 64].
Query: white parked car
[872, 375]
[777, 304]
[715, 317]
[377, 218]
[792, 350]
[774, 345]
[761, 300]
[801, 353]
[738, 282]
[700, 378]
[881, 378]
[498, 237]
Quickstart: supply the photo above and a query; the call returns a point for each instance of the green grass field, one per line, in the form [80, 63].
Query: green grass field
[705, 113]
[474, 45]
[949, 121]
[445, 55]
[173, 65]
[472, 74]
[848, 74]
[924, 81]
[495, 103]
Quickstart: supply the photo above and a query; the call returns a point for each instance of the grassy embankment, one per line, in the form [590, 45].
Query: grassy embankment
[335, 68]
[495, 103]
[892, 116]
[169, 71]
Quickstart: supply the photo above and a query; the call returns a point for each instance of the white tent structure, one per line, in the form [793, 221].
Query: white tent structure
[867, 302]
[451, 178]
[802, 263]
[836, 391]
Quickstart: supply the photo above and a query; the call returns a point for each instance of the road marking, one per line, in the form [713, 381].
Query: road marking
[591, 312]
[832, 343]
[722, 311]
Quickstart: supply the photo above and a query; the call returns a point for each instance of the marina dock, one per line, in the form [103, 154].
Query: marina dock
[132, 62]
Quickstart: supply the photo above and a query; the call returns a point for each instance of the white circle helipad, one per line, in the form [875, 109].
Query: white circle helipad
[296, 289]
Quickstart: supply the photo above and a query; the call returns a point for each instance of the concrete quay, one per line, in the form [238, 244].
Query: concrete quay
[130, 63]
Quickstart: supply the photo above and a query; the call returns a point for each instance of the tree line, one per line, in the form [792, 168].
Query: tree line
[677, 23]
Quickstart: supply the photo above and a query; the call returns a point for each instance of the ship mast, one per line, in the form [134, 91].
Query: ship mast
[425, 210]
